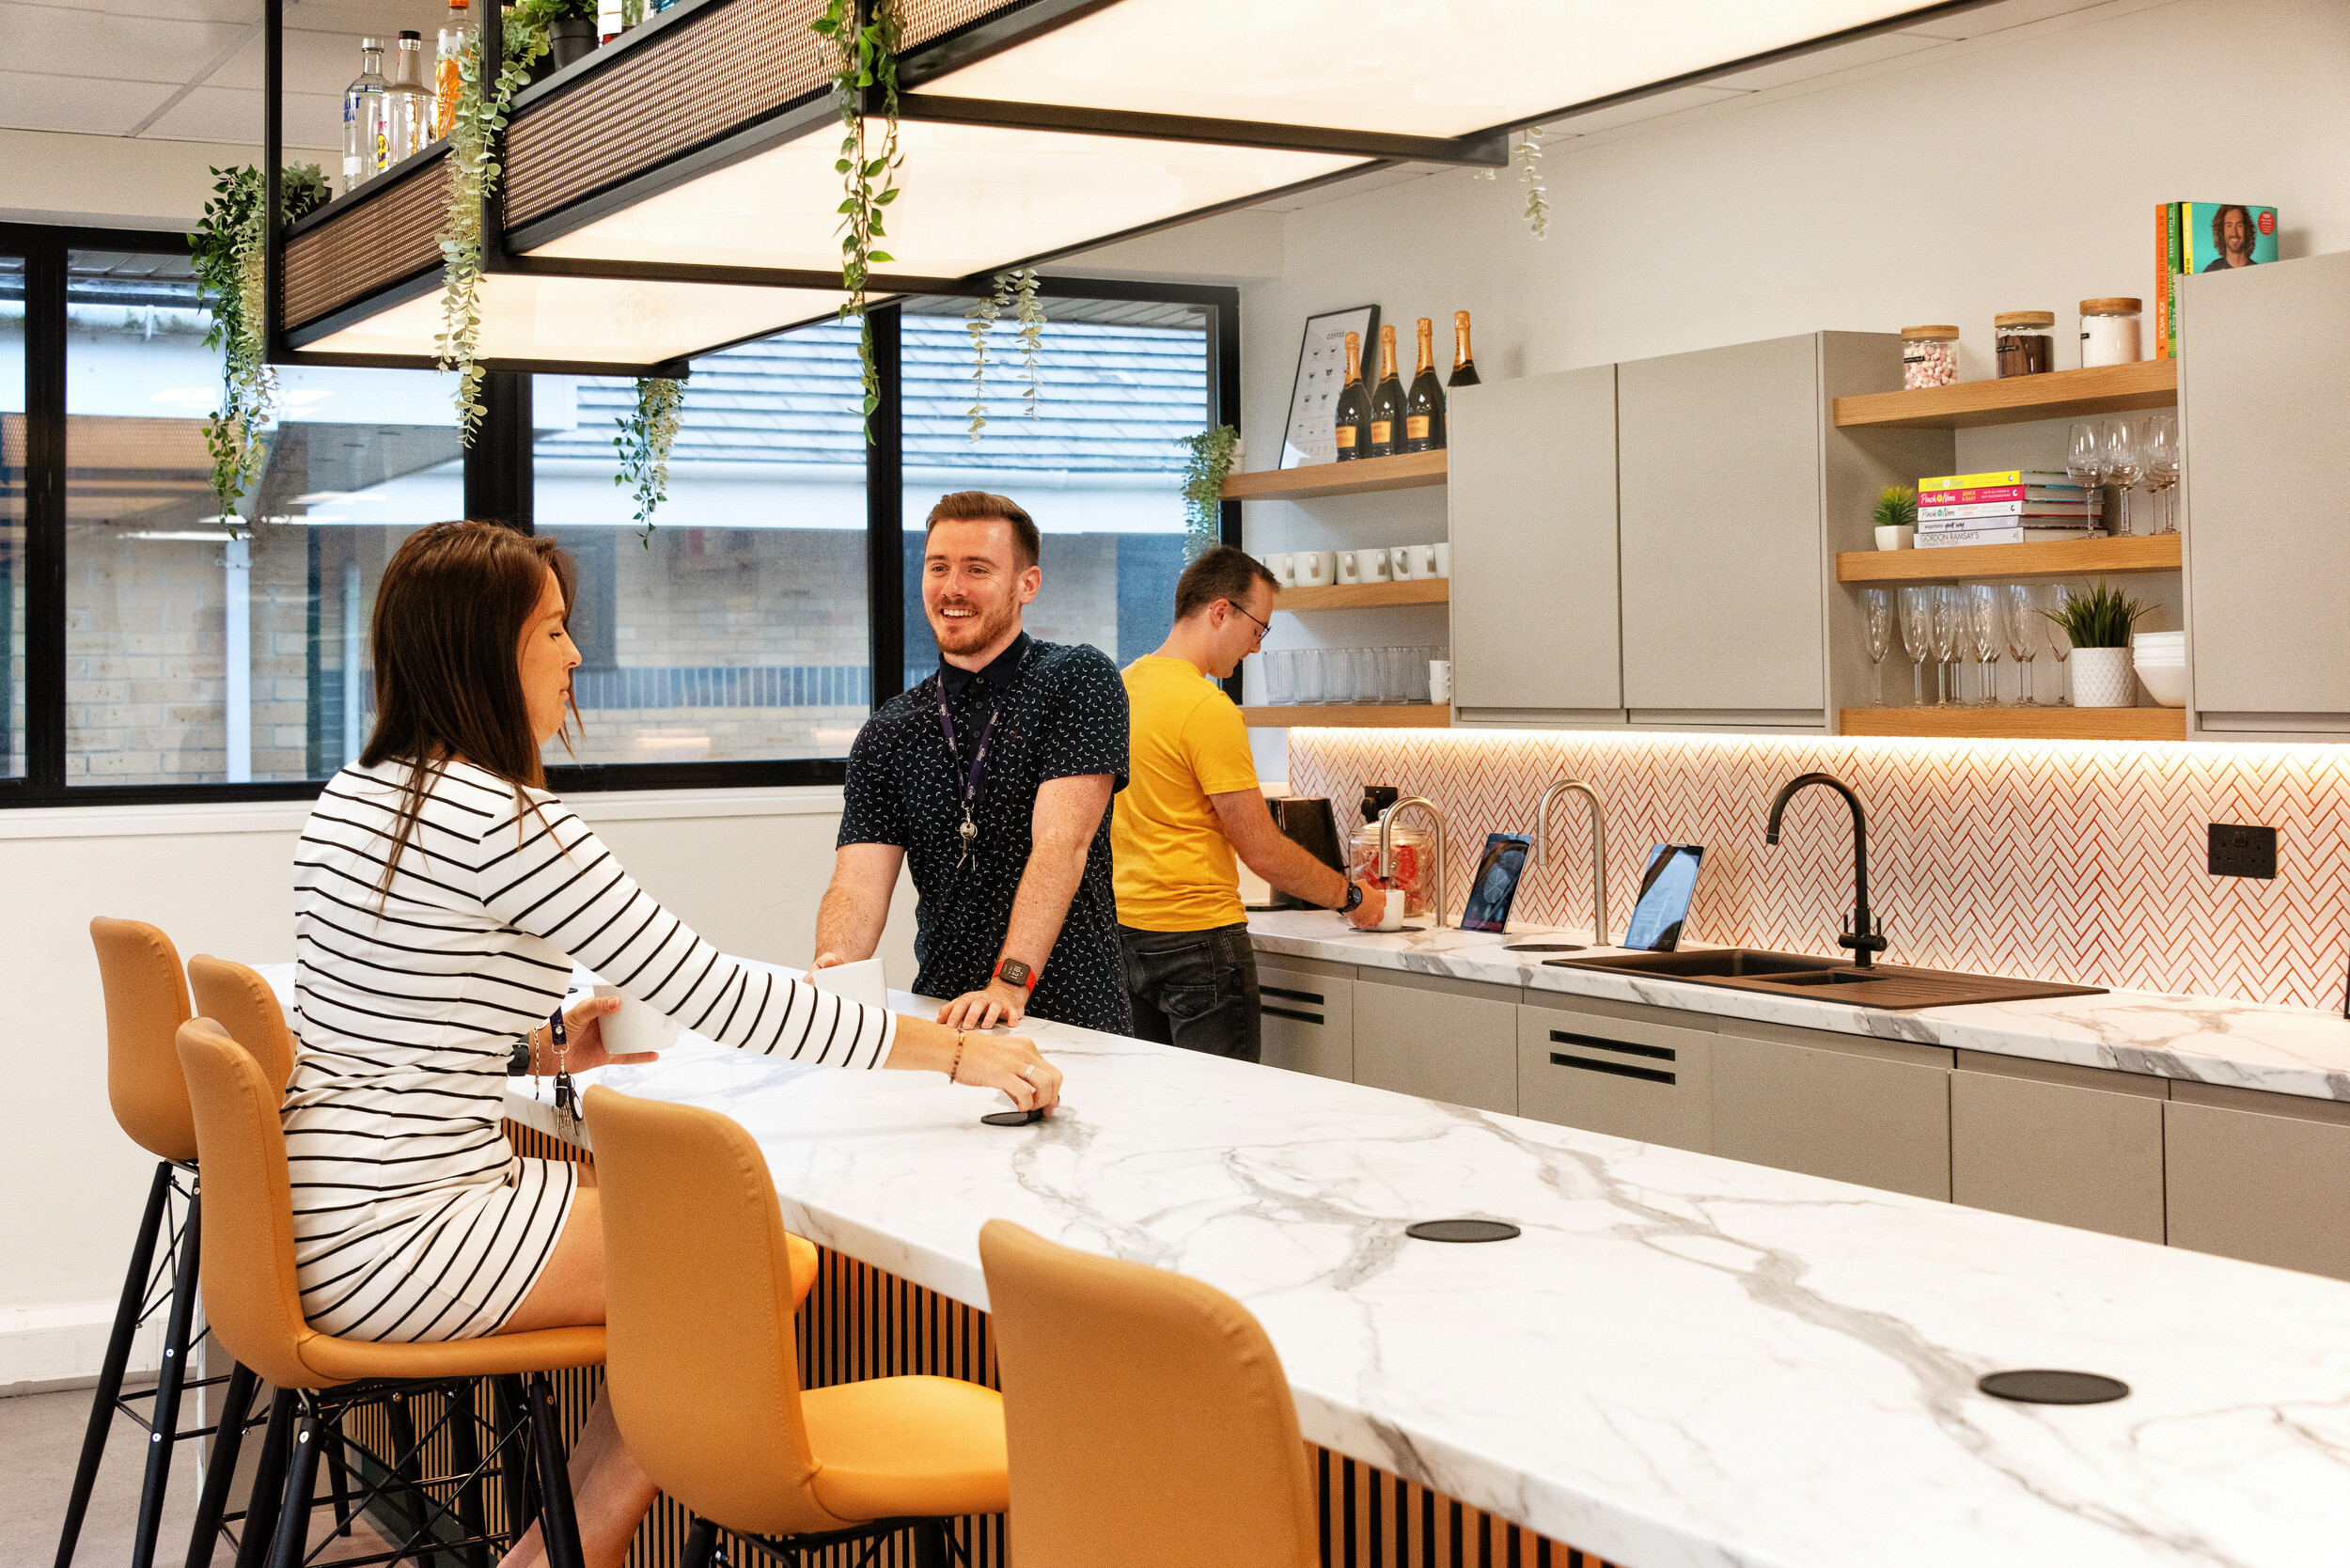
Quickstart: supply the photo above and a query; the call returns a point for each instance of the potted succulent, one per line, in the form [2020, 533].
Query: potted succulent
[2098, 625]
[1896, 518]
[568, 25]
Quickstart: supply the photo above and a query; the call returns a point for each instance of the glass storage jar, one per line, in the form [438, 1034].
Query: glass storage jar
[2109, 332]
[2025, 338]
[1411, 864]
[1929, 356]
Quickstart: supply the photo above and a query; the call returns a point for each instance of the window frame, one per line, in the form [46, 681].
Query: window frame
[498, 485]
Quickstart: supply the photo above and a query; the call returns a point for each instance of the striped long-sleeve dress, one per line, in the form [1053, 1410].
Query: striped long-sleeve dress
[413, 1217]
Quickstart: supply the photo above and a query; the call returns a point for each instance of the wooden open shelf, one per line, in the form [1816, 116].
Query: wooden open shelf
[2067, 558]
[1407, 471]
[2052, 395]
[1366, 596]
[2020, 724]
[1348, 716]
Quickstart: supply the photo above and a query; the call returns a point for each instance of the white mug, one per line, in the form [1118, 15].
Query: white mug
[1440, 679]
[1391, 912]
[1349, 572]
[1371, 566]
[635, 1026]
[1314, 568]
[1284, 569]
[1443, 557]
[1424, 560]
[1400, 560]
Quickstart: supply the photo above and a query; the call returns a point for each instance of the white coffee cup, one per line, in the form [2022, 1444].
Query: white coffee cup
[1440, 679]
[1391, 914]
[1442, 555]
[1350, 571]
[1284, 569]
[1423, 559]
[1314, 568]
[1371, 566]
[1400, 562]
[635, 1026]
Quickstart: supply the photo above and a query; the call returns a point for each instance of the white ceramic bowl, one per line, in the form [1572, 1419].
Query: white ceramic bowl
[2164, 683]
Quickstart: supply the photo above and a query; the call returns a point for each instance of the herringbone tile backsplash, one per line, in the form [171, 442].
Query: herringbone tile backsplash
[2076, 861]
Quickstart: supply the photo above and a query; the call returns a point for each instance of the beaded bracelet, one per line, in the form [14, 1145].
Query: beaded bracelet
[956, 1065]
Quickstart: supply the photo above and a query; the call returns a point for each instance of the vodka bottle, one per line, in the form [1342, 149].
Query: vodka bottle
[449, 55]
[409, 100]
[367, 137]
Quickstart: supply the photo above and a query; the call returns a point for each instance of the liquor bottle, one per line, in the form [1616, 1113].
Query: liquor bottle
[1353, 413]
[1387, 400]
[449, 58]
[407, 101]
[610, 22]
[364, 131]
[1423, 405]
[1463, 362]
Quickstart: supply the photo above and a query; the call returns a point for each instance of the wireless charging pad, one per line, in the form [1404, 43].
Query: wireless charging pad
[1462, 1231]
[1012, 1118]
[2041, 1386]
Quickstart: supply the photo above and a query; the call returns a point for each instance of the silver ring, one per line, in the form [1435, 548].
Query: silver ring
[1024, 1073]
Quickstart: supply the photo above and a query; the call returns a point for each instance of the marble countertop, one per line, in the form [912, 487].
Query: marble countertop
[2213, 1039]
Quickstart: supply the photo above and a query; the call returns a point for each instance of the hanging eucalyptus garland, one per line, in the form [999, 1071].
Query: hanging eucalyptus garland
[978, 322]
[1031, 333]
[1210, 461]
[1015, 291]
[225, 251]
[644, 444]
[473, 174]
[1528, 155]
[865, 52]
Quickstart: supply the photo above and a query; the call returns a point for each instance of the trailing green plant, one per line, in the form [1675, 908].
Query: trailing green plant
[227, 252]
[1032, 313]
[1210, 461]
[644, 442]
[473, 175]
[1527, 155]
[2102, 618]
[1016, 292]
[978, 322]
[865, 57]
[1896, 508]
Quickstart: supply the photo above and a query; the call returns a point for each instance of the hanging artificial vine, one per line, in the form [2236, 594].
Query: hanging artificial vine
[226, 250]
[1527, 156]
[473, 174]
[1031, 333]
[1014, 291]
[980, 322]
[644, 444]
[865, 53]
[1211, 452]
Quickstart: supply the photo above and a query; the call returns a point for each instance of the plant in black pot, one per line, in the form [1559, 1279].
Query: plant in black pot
[568, 28]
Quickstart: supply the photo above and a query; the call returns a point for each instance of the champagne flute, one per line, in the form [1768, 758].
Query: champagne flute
[2022, 637]
[2161, 453]
[2053, 598]
[1982, 621]
[1876, 615]
[1948, 614]
[2124, 466]
[2085, 459]
[1918, 638]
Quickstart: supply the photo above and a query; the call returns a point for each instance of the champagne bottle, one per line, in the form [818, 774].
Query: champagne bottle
[1423, 406]
[1463, 362]
[1353, 413]
[1387, 400]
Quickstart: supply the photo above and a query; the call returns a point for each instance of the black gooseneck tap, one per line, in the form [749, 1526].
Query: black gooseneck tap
[1865, 939]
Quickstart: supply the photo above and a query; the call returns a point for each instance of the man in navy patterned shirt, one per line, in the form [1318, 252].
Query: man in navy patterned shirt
[990, 782]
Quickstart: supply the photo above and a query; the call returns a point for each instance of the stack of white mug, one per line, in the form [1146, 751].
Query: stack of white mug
[1392, 563]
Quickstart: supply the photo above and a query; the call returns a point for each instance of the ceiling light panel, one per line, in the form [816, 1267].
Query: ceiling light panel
[1421, 68]
[588, 321]
[975, 199]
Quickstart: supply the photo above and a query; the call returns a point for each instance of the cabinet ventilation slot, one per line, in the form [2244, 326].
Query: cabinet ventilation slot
[1662, 1052]
[1293, 996]
[1292, 1013]
[1560, 1059]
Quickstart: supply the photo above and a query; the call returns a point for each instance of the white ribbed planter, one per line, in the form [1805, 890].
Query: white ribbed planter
[2102, 677]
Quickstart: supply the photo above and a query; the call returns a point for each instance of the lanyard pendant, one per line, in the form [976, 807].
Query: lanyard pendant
[970, 834]
[566, 1118]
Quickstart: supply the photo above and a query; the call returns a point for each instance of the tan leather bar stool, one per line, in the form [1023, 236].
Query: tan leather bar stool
[1150, 1423]
[702, 1372]
[255, 1303]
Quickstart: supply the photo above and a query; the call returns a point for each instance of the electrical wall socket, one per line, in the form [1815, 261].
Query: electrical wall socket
[2242, 851]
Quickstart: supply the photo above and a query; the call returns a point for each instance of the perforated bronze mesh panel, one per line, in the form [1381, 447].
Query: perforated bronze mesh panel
[394, 236]
[924, 20]
[670, 95]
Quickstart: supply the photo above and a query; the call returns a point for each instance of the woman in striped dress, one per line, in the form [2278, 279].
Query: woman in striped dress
[441, 898]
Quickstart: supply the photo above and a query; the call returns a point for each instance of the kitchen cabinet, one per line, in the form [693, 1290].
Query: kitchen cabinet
[2261, 1177]
[1608, 1069]
[1531, 516]
[1872, 1111]
[1442, 1038]
[2072, 1145]
[1308, 1015]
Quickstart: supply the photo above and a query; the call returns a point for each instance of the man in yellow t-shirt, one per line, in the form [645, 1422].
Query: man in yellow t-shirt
[1191, 802]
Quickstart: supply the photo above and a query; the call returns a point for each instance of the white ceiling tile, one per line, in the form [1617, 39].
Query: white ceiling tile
[1639, 109]
[233, 11]
[1353, 185]
[313, 120]
[1822, 62]
[118, 48]
[315, 61]
[1997, 18]
[30, 102]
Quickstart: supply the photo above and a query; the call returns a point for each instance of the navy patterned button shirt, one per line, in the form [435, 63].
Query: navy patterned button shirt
[1062, 715]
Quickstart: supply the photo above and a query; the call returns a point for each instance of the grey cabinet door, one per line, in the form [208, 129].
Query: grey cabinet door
[2264, 400]
[1447, 1039]
[2072, 1155]
[1530, 504]
[1651, 1082]
[1306, 1008]
[1834, 1113]
[1719, 481]
[2268, 1189]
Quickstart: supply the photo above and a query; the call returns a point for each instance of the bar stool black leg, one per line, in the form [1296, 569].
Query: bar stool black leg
[164, 1431]
[516, 1467]
[268, 1480]
[405, 1464]
[701, 1543]
[930, 1543]
[464, 1442]
[229, 1438]
[338, 1478]
[558, 1525]
[290, 1541]
[101, 1411]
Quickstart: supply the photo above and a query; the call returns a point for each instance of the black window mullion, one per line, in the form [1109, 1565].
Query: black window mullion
[498, 469]
[884, 507]
[44, 515]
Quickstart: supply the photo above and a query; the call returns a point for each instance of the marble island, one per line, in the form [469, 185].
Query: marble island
[2213, 1039]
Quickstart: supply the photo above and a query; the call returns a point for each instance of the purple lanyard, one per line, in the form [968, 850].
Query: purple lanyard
[975, 781]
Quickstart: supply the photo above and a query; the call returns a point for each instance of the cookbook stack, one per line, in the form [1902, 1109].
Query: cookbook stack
[2014, 505]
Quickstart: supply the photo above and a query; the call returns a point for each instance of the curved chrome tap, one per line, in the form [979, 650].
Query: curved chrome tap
[1386, 847]
[1599, 846]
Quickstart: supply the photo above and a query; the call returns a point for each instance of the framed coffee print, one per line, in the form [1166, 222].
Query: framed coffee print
[1312, 436]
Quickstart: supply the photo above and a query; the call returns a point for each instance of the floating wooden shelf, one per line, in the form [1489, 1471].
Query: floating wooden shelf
[2020, 724]
[2070, 557]
[1408, 471]
[2054, 395]
[1348, 716]
[1366, 596]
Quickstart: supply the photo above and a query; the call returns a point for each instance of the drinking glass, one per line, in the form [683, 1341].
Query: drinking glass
[2023, 637]
[2085, 459]
[2161, 452]
[2053, 598]
[1281, 677]
[1918, 638]
[1949, 617]
[2124, 464]
[1983, 624]
[1366, 663]
[1876, 620]
[1416, 672]
[1313, 675]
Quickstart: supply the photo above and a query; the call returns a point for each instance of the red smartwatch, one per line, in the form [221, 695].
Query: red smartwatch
[1011, 969]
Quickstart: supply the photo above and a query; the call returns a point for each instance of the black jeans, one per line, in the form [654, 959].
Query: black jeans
[1197, 989]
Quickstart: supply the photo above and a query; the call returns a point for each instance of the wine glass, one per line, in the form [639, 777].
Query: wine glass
[1982, 623]
[2085, 459]
[1876, 618]
[2161, 453]
[1950, 616]
[1918, 638]
[2053, 598]
[2023, 637]
[2124, 464]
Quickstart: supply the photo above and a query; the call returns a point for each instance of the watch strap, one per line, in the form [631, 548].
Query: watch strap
[1014, 971]
[1354, 896]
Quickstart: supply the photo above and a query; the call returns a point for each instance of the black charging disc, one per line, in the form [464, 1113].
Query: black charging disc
[1012, 1118]
[1462, 1231]
[2041, 1386]
[1542, 947]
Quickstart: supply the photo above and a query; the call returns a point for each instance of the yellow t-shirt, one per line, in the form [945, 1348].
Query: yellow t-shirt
[1173, 868]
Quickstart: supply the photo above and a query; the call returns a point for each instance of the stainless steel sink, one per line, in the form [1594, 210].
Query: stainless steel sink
[1710, 963]
[1893, 987]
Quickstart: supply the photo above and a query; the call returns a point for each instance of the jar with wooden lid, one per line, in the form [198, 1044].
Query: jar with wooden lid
[2109, 331]
[1929, 356]
[2026, 341]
